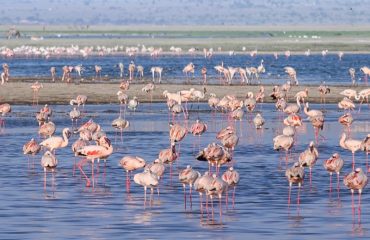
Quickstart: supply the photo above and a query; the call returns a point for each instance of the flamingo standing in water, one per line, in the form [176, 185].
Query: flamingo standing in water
[91, 152]
[203, 72]
[350, 144]
[334, 165]
[362, 95]
[79, 100]
[231, 177]
[346, 120]
[292, 74]
[120, 124]
[48, 162]
[79, 143]
[308, 158]
[258, 121]
[356, 180]
[149, 88]
[217, 188]
[346, 104]
[35, 89]
[189, 69]
[295, 174]
[98, 71]
[31, 148]
[53, 143]
[352, 73]
[188, 176]
[131, 163]
[47, 129]
[366, 72]
[147, 179]
[201, 185]
[131, 70]
[53, 73]
[323, 90]
[75, 114]
[158, 71]
[365, 146]
[283, 142]
[198, 128]
[5, 108]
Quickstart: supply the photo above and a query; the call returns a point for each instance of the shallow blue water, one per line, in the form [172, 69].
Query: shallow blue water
[70, 210]
[310, 70]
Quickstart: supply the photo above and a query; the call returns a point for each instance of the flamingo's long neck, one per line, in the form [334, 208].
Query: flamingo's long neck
[342, 141]
[65, 140]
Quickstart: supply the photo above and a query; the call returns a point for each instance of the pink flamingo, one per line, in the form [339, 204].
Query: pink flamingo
[201, 185]
[308, 158]
[231, 177]
[47, 129]
[295, 174]
[334, 165]
[350, 144]
[217, 188]
[4, 110]
[356, 180]
[49, 162]
[53, 143]
[35, 89]
[188, 176]
[147, 179]
[92, 152]
[131, 163]
[31, 148]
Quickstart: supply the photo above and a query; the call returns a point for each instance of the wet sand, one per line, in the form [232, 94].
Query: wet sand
[105, 93]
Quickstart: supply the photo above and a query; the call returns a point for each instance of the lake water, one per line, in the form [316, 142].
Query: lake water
[69, 210]
[310, 70]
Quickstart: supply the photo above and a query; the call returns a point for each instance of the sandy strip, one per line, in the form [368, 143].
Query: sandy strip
[100, 93]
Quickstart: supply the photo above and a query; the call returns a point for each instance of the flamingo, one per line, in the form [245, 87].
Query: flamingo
[201, 185]
[203, 72]
[308, 158]
[168, 156]
[133, 103]
[77, 145]
[53, 143]
[350, 144]
[31, 148]
[147, 179]
[363, 94]
[366, 72]
[293, 120]
[318, 124]
[292, 74]
[149, 88]
[47, 129]
[283, 142]
[323, 90]
[124, 85]
[53, 73]
[35, 89]
[48, 162]
[92, 152]
[349, 93]
[231, 177]
[189, 68]
[356, 180]
[79, 100]
[120, 124]
[131, 69]
[217, 188]
[177, 132]
[311, 112]
[365, 146]
[140, 71]
[301, 95]
[258, 121]
[5, 108]
[188, 176]
[121, 69]
[98, 70]
[157, 70]
[74, 115]
[215, 155]
[334, 165]
[131, 163]
[346, 120]
[346, 104]
[352, 73]
[295, 174]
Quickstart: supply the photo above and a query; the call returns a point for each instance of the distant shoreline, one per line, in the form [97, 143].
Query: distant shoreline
[19, 93]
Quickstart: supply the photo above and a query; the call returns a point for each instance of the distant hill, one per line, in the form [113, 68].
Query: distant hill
[185, 12]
